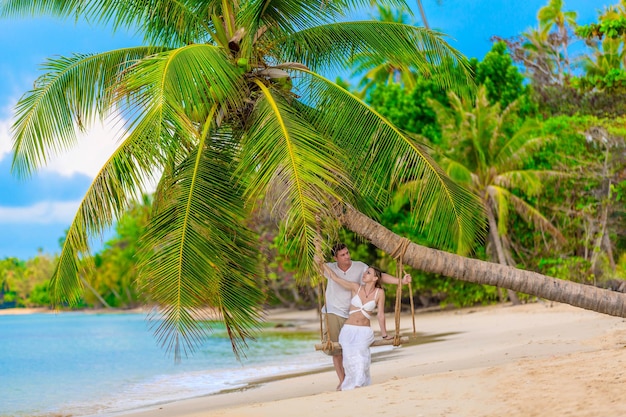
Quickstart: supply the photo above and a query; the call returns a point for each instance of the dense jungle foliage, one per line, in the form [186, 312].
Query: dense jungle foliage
[540, 140]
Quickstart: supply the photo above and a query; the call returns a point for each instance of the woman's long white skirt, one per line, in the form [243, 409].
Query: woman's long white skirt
[355, 342]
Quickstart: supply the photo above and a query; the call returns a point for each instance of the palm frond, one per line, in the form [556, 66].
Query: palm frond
[286, 157]
[480, 126]
[457, 171]
[519, 149]
[331, 46]
[118, 183]
[159, 134]
[520, 146]
[289, 16]
[188, 78]
[381, 158]
[533, 216]
[375, 71]
[529, 181]
[450, 119]
[498, 202]
[162, 22]
[70, 95]
[198, 254]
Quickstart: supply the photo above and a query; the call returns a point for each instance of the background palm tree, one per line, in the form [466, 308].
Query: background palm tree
[608, 58]
[374, 70]
[483, 150]
[420, 7]
[226, 107]
[552, 15]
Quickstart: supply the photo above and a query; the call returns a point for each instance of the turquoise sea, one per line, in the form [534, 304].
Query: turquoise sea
[85, 364]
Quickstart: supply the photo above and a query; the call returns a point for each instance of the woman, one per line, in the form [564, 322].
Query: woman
[356, 335]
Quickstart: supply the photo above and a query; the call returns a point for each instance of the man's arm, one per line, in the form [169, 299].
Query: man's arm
[390, 279]
[329, 273]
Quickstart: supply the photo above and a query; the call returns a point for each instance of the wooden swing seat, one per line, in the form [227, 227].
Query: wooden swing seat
[377, 342]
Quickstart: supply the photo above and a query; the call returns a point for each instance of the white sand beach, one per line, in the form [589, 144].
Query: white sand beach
[542, 359]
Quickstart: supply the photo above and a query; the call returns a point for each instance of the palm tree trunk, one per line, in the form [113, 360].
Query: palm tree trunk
[423, 14]
[480, 272]
[93, 290]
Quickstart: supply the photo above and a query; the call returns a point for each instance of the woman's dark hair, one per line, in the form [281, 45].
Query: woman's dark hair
[379, 275]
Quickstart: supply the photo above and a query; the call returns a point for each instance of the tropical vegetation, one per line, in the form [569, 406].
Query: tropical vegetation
[227, 107]
[260, 158]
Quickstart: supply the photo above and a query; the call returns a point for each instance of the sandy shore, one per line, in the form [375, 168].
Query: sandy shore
[541, 359]
[22, 311]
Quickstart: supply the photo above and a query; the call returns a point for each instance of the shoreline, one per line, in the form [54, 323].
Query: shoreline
[485, 361]
[22, 311]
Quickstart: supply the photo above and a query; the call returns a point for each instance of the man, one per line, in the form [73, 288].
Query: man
[338, 298]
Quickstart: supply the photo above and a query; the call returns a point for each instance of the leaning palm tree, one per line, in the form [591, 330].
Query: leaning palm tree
[479, 152]
[226, 106]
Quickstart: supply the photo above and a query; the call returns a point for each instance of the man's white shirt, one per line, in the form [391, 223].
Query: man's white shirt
[337, 297]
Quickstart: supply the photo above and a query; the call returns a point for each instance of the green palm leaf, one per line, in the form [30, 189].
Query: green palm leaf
[122, 178]
[155, 135]
[163, 22]
[531, 215]
[380, 158]
[290, 16]
[67, 97]
[284, 153]
[329, 47]
[186, 80]
[520, 147]
[458, 171]
[198, 256]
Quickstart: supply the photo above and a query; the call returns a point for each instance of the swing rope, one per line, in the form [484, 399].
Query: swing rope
[327, 345]
[398, 255]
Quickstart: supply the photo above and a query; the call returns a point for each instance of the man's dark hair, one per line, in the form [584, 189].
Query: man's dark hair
[337, 247]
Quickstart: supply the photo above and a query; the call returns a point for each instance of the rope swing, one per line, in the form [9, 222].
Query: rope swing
[398, 255]
[329, 347]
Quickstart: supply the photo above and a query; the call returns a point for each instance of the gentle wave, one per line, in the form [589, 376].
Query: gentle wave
[169, 388]
[77, 364]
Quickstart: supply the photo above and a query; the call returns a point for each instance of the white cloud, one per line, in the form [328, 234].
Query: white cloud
[91, 152]
[45, 212]
[89, 155]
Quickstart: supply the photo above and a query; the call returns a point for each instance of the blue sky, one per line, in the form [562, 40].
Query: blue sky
[35, 212]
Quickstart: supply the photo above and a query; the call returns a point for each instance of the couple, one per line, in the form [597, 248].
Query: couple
[353, 292]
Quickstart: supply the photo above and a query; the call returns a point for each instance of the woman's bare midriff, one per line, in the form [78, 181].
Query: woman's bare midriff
[358, 319]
